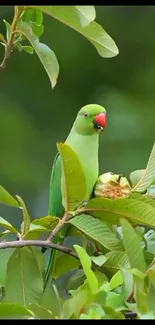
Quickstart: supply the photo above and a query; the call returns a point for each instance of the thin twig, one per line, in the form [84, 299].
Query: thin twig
[17, 12]
[59, 226]
[39, 243]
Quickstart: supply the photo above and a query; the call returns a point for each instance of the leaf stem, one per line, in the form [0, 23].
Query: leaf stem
[17, 12]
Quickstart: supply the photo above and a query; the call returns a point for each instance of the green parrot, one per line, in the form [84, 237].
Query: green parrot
[84, 140]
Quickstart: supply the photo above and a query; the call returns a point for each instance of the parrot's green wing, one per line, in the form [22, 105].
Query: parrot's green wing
[55, 200]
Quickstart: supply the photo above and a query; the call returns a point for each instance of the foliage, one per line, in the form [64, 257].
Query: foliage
[28, 25]
[114, 267]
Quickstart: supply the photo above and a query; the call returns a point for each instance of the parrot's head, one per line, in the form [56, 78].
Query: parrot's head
[90, 119]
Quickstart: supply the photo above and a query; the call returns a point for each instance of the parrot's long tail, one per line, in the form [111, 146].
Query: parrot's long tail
[51, 262]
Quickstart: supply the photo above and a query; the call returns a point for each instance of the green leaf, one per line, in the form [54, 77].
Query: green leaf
[12, 310]
[4, 233]
[8, 29]
[45, 54]
[76, 280]
[140, 292]
[116, 280]
[49, 222]
[40, 312]
[35, 231]
[26, 217]
[94, 311]
[136, 175]
[33, 15]
[133, 246]
[73, 192]
[28, 49]
[149, 174]
[40, 258]
[128, 283]
[4, 257]
[111, 313]
[7, 225]
[37, 29]
[7, 198]
[69, 15]
[51, 300]
[86, 14]
[86, 264]
[64, 263]
[18, 46]
[99, 260]
[74, 305]
[116, 260]
[98, 231]
[150, 241]
[2, 38]
[24, 282]
[39, 17]
[115, 300]
[133, 209]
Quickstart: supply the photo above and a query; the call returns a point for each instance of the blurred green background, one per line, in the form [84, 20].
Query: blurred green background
[33, 116]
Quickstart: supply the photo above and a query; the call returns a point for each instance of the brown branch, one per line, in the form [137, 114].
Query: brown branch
[17, 12]
[59, 226]
[39, 243]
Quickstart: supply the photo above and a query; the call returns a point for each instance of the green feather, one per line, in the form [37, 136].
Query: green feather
[83, 139]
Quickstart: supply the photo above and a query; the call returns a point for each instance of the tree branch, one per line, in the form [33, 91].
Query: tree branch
[39, 243]
[17, 12]
[60, 225]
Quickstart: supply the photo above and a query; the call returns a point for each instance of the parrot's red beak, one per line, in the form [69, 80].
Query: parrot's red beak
[100, 121]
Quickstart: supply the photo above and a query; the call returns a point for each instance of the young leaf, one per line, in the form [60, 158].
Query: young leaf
[35, 231]
[7, 198]
[98, 231]
[99, 260]
[132, 209]
[69, 15]
[73, 192]
[26, 217]
[149, 174]
[74, 305]
[133, 247]
[37, 29]
[4, 233]
[49, 222]
[136, 175]
[13, 310]
[116, 280]
[115, 301]
[2, 38]
[7, 225]
[45, 54]
[8, 29]
[24, 282]
[86, 264]
[40, 312]
[28, 49]
[39, 17]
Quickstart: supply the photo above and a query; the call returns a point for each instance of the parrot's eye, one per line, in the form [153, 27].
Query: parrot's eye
[86, 115]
